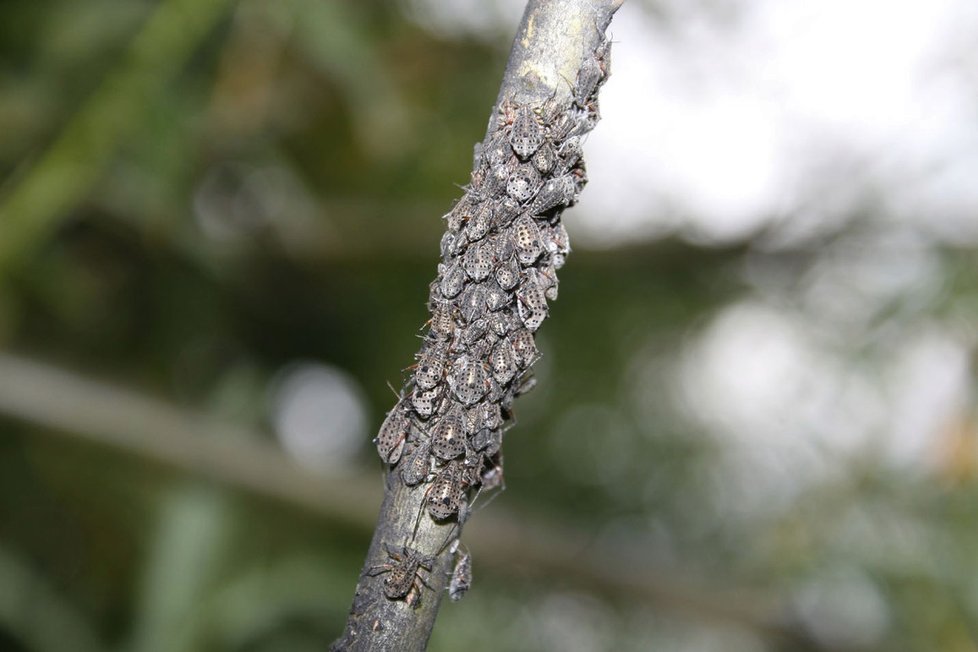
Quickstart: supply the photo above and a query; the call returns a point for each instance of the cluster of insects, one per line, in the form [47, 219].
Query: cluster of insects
[500, 254]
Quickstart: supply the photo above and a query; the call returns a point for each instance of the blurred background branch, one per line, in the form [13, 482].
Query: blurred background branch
[202, 447]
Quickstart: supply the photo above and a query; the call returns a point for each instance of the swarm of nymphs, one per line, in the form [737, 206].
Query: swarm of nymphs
[499, 259]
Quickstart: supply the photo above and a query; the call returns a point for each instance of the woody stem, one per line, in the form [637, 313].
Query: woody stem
[555, 40]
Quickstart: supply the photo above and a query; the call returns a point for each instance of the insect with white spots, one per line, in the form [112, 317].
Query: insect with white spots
[502, 362]
[416, 465]
[504, 212]
[555, 192]
[485, 440]
[446, 495]
[545, 158]
[430, 368]
[593, 72]
[531, 304]
[473, 304]
[545, 278]
[508, 274]
[442, 319]
[469, 380]
[525, 347]
[556, 243]
[529, 243]
[426, 401]
[478, 261]
[496, 297]
[452, 279]
[461, 212]
[569, 155]
[393, 433]
[448, 435]
[403, 568]
[501, 323]
[478, 225]
[526, 134]
[523, 183]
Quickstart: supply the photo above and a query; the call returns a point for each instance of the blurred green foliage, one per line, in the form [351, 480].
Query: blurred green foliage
[197, 194]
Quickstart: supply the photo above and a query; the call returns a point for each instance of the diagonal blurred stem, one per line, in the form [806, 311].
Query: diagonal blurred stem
[32, 206]
[95, 413]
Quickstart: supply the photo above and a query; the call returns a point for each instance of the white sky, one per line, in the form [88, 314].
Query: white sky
[789, 111]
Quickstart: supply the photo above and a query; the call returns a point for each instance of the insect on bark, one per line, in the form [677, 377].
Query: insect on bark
[448, 435]
[403, 581]
[461, 579]
[447, 493]
[393, 433]
[417, 464]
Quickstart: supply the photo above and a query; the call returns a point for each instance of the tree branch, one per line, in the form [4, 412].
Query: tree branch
[503, 245]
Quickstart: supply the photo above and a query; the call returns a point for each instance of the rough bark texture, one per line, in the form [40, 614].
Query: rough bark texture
[503, 245]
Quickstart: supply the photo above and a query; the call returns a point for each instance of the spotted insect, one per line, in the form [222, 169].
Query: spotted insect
[403, 568]
[563, 125]
[556, 243]
[469, 380]
[523, 183]
[531, 304]
[525, 347]
[589, 78]
[496, 297]
[571, 151]
[483, 415]
[508, 274]
[392, 435]
[555, 192]
[492, 417]
[479, 223]
[447, 244]
[448, 435]
[473, 305]
[526, 134]
[529, 243]
[503, 247]
[442, 321]
[456, 218]
[495, 392]
[504, 212]
[545, 277]
[452, 279]
[545, 158]
[430, 368]
[502, 362]
[501, 323]
[426, 401]
[475, 332]
[461, 579]
[416, 465]
[446, 495]
[486, 441]
[478, 261]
